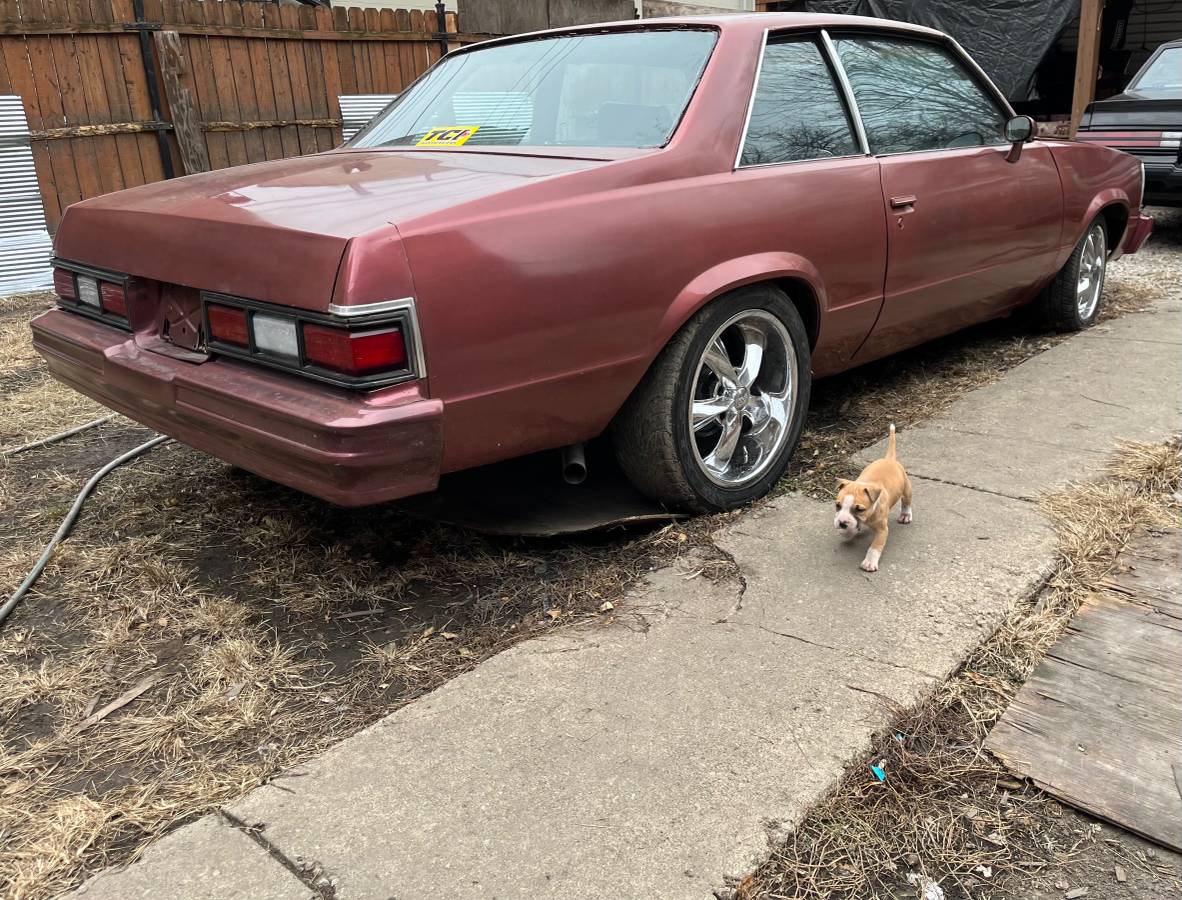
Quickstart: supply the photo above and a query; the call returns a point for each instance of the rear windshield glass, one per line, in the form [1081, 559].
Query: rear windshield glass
[1165, 74]
[622, 89]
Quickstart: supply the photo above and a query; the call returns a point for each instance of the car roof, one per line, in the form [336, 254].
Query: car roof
[731, 22]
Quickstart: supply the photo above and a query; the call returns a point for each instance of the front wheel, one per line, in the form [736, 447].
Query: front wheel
[1072, 301]
[717, 416]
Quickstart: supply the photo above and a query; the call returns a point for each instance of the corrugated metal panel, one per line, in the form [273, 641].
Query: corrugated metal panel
[25, 248]
[358, 109]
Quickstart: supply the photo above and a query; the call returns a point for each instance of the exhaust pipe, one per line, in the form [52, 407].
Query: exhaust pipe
[574, 464]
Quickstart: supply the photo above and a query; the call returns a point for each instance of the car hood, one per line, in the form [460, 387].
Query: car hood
[277, 231]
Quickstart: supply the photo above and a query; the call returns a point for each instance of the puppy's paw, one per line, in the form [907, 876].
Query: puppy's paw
[869, 565]
[905, 518]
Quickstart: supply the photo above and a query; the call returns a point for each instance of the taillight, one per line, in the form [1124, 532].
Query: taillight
[113, 298]
[228, 324]
[354, 353]
[63, 284]
[275, 335]
[369, 349]
[88, 291]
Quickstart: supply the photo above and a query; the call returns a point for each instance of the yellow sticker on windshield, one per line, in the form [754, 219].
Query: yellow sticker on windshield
[452, 136]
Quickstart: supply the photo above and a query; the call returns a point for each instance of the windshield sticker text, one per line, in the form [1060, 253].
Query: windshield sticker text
[452, 136]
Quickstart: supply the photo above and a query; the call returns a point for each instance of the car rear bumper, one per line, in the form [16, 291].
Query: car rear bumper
[348, 448]
[1163, 184]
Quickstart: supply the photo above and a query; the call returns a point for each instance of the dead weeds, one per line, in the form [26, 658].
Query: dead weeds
[273, 624]
[948, 812]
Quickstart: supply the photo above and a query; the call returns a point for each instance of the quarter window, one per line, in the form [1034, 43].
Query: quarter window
[915, 95]
[797, 113]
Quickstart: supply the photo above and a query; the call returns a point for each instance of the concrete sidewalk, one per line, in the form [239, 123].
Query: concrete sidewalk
[655, 757]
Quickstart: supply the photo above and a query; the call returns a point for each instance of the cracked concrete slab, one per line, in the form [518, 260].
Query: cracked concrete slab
[648, 759]
[1057, 415]
[207, 860]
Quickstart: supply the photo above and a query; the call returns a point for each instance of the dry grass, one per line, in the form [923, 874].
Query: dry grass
[948, 811]
[276, 624]
[31, 405]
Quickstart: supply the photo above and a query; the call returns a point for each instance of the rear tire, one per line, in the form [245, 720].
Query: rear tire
[1072, 300]
[715, 420]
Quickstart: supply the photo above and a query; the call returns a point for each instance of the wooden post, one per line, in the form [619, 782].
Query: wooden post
[186, 118]
[1087, 58]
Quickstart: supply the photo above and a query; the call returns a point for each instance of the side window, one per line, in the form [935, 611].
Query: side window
[915, 95]
[797, 113]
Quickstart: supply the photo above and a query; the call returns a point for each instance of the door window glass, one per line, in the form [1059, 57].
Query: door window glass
[797, 113]
[914, 95]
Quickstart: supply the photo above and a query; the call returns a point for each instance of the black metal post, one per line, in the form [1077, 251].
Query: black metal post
[153, 88]
[441, 22]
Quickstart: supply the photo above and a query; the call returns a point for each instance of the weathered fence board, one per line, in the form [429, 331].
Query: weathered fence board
[235, 81]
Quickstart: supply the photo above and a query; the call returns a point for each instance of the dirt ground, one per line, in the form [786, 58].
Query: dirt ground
[268, 625]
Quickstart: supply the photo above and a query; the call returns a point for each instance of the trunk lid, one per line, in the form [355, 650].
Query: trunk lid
[277, 231]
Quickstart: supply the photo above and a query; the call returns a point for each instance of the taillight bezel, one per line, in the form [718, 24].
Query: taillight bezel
[74, 304]
[398, 314]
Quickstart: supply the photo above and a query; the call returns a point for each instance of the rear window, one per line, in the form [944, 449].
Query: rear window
[621, 89]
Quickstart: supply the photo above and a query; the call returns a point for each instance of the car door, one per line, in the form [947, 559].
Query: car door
[972, 230]
[812, 190]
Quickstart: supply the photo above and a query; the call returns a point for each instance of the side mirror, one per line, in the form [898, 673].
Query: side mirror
[1018, 131]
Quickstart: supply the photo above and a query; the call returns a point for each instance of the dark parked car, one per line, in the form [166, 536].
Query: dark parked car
[1146, 121]
[660, 230]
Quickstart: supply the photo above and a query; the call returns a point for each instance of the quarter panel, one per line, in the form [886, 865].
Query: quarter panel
[539, 321]
[1093, 177]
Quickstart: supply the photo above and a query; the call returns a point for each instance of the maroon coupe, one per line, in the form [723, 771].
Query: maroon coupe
[658, 230]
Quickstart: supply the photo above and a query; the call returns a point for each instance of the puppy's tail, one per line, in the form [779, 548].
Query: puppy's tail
[891, 443]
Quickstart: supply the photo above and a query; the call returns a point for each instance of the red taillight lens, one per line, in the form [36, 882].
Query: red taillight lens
[353, 353]
[63, 284]
[228, 324]
[114, 299]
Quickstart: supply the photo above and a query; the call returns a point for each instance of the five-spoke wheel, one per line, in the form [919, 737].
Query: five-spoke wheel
[742, 397]
[1072, 300]
[716, 418]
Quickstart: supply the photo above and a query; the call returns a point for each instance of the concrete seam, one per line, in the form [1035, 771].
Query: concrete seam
[841, 650]
[319, 885]
[730, 557]
[940, 426]
[971, 487]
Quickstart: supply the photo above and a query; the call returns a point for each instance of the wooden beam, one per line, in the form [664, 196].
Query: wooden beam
[106, 128]
[1087, 59]
[271, 123]
[182, 105]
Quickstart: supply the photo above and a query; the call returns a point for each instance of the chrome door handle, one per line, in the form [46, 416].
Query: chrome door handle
[902, 202]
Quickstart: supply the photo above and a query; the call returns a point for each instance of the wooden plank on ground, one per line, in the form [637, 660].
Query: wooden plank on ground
[182, 102]
[1099, 723]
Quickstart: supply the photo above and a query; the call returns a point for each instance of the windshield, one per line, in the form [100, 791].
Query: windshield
[619, 89]
[1164, 74]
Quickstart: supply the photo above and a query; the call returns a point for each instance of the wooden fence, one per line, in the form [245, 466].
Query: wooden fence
[120, 93]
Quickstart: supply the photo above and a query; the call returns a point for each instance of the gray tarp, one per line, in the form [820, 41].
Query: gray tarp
[1007, 38]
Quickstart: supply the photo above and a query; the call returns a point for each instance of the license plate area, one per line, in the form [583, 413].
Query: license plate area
[175, 330]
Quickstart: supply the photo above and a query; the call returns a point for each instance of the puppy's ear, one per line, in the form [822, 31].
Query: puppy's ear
[841, 483]
[872, 495]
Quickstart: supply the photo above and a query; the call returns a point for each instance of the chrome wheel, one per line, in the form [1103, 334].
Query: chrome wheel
[1091, 273]
[743, 397]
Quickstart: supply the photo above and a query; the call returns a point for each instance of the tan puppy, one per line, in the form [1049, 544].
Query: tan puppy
[866, 503]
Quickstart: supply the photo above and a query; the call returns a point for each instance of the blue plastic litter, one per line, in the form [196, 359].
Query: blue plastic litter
[878, 773]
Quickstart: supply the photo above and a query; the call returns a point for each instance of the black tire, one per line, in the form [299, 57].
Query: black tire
[652, 434]
[1058, 306]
